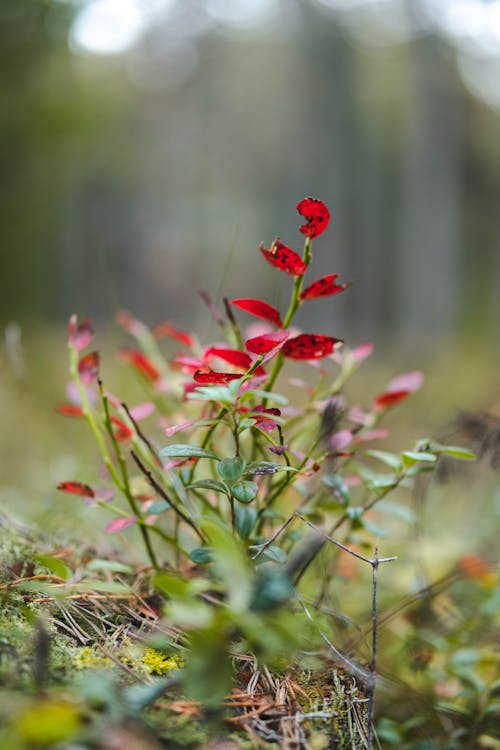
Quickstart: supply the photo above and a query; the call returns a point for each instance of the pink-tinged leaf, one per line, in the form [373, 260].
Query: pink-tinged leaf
[73, 392]
[166, 329]
[88, 367]
[122, 431]
[141, 363]
[187, 363]
[278, 449]
[324, 287]
[133, 326]
[362, 352]
[211, 377]
[169, 431]
[410, 381]
[340, 440]
[104, 495]
[259, 308]
[76, 488]
[284, 258]
[379, 433]
[81, 335]
[267, 343]
[142, 411]
[120, 524]
[389, 398]
[70, 410]
[316, 214]
[309, 346]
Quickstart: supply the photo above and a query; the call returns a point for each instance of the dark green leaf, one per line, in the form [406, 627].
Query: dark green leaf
[246, 517]
[231, 469]
[159, 506]
[244, 491]
[201, 555]
[208, 484]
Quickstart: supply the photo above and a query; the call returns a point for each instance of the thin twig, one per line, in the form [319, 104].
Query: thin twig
[159, 489]
[373, 664]
[140, 433]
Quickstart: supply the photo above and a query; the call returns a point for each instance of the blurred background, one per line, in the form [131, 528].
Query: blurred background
[148, 146]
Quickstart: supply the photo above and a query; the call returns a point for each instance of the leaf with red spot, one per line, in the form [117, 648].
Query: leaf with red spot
[167, 329]
[266, 343]
[390, 398]
[284, 258]
[316, 214]
[69, 410]
[122, 431]
[259, 308]
[81, 335]
[141, 363]
[309, 346]
[88, 367]
[120, 524]
[76, 488]
[211, 377]
[324, 287]
[233, 357]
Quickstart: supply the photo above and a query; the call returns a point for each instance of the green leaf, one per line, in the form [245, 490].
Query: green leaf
[246, 423]
[230, 563]
[390, 459]
[220, 393]
[159, 506]
[208, 484]
[337, 484]
[201, 555]
[55, 565]
[267, 467]
[113, 565]
[374, 528]
[396, 510]
[184, 450]
[381, 483]
[244, 491]
[276, 397]
[455, 451]
[412, 457]
[246, 518]
[274, 553]
[231, 469]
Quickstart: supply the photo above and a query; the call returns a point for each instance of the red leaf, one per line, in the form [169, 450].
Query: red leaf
[389, 398]
[88, 367]
[119, 524]
[323, 287]
[70, 410]
[122, 432]
[284, 258]
[211, 377]
[141, 363]
[309, 346]
[186, 363]
[76, 488]
[233, 357]
[259, 308]
[166, 329]
[81, 335]
[316, 214]
[267, 342]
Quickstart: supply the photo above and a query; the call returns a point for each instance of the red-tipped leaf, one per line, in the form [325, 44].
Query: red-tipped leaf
[88, 367]
[76, 488]
[316, 214]
[323, 287]
[390, 398]
[69, 410]
[141, 363]
[166, 329]
[284, 258]
[259, 308]
[81, 335]
[122, 431]
[309, 346]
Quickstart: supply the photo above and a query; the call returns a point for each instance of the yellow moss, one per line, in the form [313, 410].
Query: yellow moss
[88, 659]
[157, 663]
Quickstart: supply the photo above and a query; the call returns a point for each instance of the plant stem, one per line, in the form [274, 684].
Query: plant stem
[373, 664]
